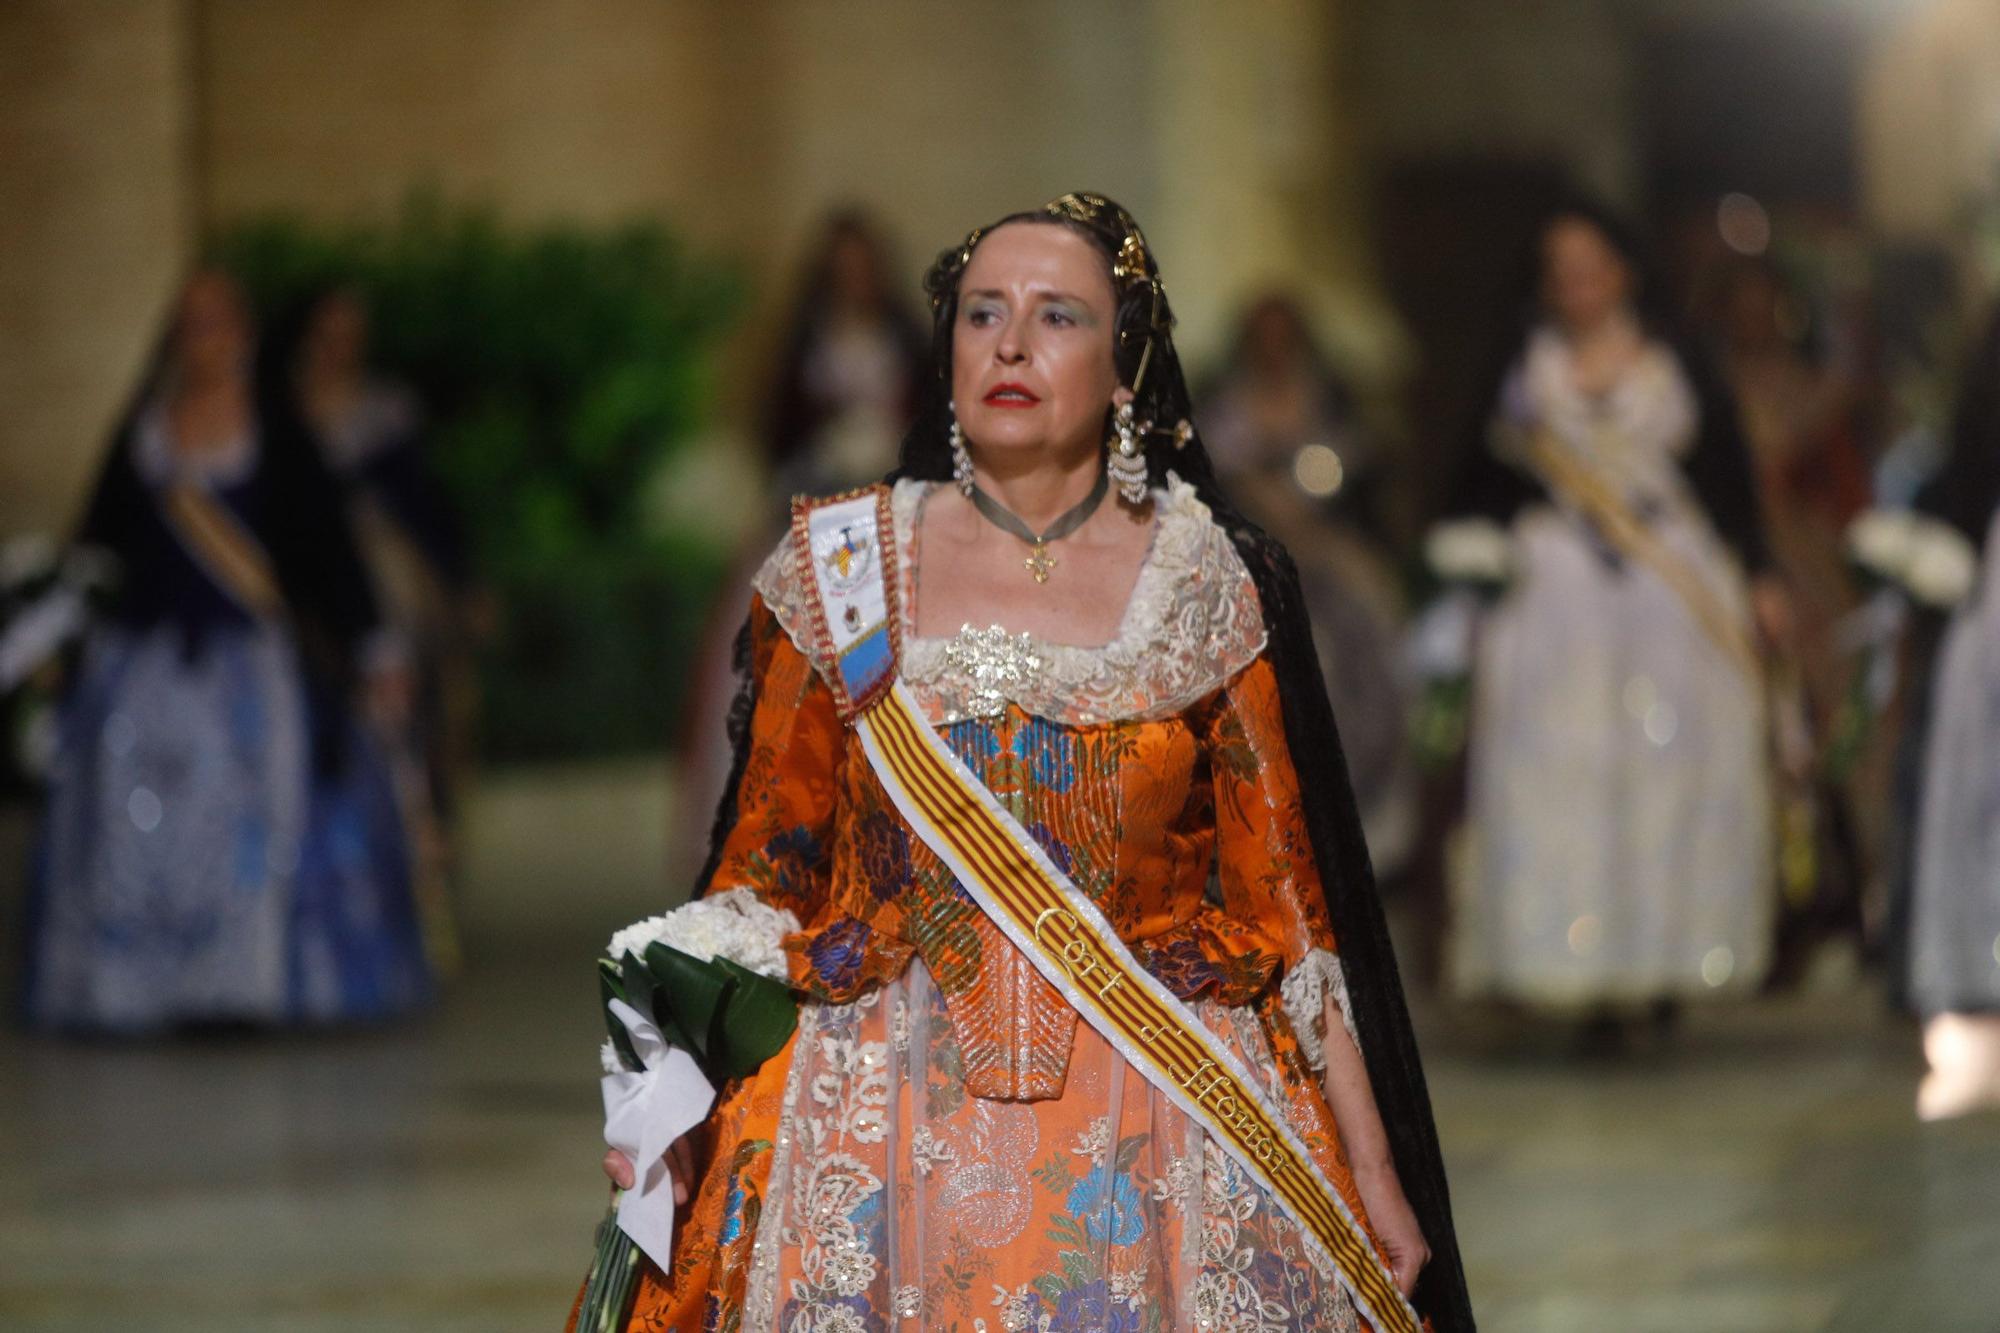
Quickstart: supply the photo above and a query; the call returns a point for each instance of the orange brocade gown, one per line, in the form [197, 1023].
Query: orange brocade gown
[943, 1145]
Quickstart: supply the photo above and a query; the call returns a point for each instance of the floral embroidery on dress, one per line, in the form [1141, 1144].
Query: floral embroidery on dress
[885, 853]
[835, 1204]
[896, 1202]
[838, 952]
[1049, 752]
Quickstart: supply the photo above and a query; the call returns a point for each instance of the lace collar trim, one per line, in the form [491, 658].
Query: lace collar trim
[1192, 622]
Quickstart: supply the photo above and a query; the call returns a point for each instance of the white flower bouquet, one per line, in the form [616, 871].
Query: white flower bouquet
[1473, 553]
[692, 999]
[48, 596]
[1929, 560]
[1904, 558]
[1471, 561]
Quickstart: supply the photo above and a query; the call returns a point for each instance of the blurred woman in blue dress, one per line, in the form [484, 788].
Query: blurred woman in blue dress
[374, 439]
[221, 842]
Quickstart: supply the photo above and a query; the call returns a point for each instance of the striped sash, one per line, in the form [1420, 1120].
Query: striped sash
[1061, 931]
[227, 551]
[1573, 482]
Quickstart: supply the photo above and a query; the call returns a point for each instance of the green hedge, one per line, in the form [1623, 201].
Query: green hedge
[561, 369]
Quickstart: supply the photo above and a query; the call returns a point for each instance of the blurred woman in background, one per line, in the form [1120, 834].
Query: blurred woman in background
[371, 434]
[845, 387]
[1951, 967]
[1285, 437]
[1619, 850]
[847, 380]
[221, 843]
[1801, 422]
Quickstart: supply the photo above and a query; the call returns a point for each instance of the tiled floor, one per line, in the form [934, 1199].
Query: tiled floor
[441, 1176]
[1764, 1175]
[1763, 1172]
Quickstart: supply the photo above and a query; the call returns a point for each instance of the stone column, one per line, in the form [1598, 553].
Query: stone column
[96, 225]
[1257, 177]
[1930, 128]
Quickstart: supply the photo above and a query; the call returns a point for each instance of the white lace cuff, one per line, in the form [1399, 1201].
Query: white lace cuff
[1304, 990]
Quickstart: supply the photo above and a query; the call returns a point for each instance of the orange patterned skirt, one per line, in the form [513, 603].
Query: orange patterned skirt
[854, 1186]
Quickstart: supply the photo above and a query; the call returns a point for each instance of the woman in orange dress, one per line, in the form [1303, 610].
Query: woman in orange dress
[943, 1144]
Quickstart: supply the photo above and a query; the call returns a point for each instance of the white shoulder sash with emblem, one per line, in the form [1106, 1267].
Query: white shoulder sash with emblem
[844, 554]
[849, 543]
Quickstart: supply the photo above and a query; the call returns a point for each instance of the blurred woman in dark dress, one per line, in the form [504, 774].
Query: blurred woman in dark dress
[1951, 910]
[221, 843]
[847, 381]
[1286, 439]
[370, 430]
[1801, 422]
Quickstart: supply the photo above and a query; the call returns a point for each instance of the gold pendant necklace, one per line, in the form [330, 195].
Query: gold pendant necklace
[1039, 562]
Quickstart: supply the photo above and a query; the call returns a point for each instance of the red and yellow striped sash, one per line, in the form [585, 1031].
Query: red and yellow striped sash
[1074, 947]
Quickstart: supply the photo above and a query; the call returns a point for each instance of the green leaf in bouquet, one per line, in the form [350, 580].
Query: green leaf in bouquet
[611, 986]
[689, 996]
[646, 986]
[756, 1021]
[638, 982]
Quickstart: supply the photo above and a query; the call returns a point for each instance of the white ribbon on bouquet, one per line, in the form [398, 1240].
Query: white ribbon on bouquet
[644, 1112]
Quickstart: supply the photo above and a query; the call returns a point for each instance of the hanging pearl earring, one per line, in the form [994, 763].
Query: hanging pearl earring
[961, 461]
[1123, 460]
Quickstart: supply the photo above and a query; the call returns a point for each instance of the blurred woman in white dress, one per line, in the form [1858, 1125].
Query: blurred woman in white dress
[1619, 850]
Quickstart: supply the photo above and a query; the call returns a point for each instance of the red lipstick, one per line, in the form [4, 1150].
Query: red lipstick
[1010, 394]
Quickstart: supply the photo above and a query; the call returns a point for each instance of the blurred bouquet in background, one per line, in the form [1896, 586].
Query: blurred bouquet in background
[47, 597]
[692, 1000]
[1475, 554]
[1468, 564]
[1924, 557]
[1901, 558]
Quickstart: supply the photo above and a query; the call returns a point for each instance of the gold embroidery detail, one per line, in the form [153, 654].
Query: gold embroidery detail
[1084, 963]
